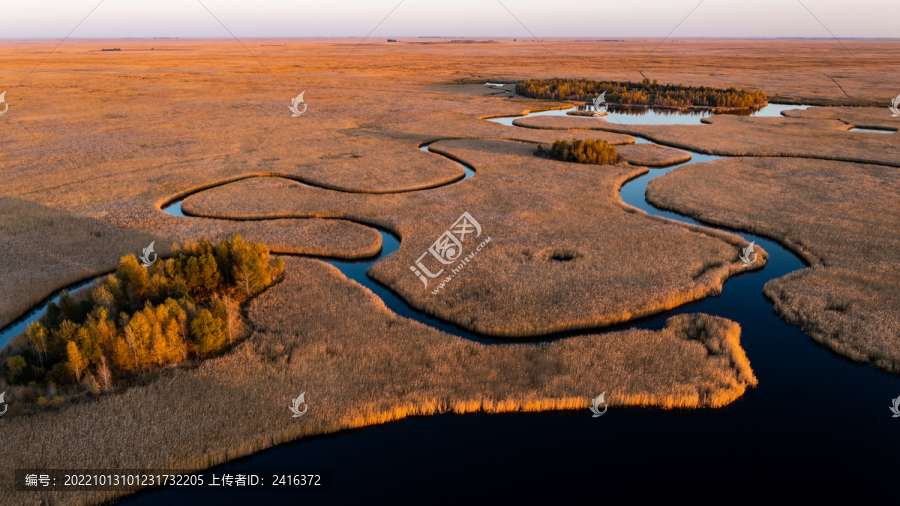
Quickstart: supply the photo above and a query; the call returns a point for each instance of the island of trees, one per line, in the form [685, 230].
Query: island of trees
[178, 310]
[644, 93]
[587, 151]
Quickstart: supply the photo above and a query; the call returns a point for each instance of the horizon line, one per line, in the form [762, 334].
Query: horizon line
[461, 37]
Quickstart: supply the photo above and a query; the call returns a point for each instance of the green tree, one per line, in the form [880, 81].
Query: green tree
[14, 367]
[62, 336]
[208, 332]
[70, 307]
[61, 374]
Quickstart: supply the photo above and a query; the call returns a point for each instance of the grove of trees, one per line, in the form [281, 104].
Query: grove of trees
[643, 93]
[180, 309]
[587, 151]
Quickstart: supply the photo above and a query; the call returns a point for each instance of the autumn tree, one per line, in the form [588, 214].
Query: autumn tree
[646, 92]
[133, 280]
[104, 373]
[594, 151]
[208, 332]
[37, 337]
[138, 318]
[76, 361]
[123, 357]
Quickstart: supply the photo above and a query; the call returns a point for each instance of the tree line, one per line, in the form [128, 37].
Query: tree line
[643, 93]
[587, 151]
[180, 309]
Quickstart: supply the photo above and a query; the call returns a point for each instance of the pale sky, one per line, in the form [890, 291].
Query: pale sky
[470, 18]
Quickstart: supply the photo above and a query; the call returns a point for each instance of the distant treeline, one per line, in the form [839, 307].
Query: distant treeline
[180, 309]
[643, 93]
[587, 151]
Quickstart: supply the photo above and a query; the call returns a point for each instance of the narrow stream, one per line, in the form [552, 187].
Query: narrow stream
[816, 421]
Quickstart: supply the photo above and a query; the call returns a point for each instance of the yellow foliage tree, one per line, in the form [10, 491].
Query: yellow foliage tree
[76, 361]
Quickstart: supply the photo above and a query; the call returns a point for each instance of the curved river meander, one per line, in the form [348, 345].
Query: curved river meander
[815, 418]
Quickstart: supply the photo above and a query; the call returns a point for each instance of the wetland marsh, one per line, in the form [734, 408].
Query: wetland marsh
[620, 278]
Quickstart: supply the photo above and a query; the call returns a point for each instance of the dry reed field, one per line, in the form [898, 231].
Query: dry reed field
[45, 249]
[95, 143]
[361, 364]
[111, 135]
[727, 135]
[841, 217]
[651, 155]
[860, 117]
[558, 233]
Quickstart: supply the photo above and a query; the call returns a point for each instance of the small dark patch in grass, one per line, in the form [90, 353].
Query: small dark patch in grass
[558, 255]
[839, 306]
[340, 155]
[562, 256]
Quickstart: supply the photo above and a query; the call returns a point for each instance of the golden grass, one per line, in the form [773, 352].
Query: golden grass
[534, 210]
[841, 217]
[728, 135]
[652, 155]
[861, 117]
[361, 364]
[139, 158]
[45, 249]
[331, 238]
[592, 151]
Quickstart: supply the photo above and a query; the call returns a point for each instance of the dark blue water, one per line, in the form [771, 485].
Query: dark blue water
[817, 427]
[356, 270]
[21, 324]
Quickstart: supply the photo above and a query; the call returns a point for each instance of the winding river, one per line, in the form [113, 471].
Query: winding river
[815, 420]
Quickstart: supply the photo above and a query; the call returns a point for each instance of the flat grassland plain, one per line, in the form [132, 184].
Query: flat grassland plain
[95, 142]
